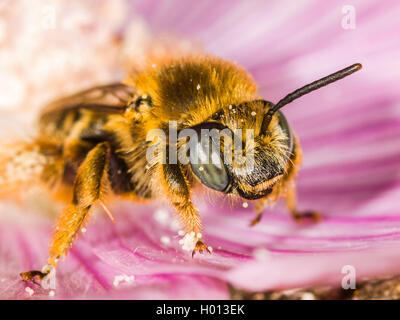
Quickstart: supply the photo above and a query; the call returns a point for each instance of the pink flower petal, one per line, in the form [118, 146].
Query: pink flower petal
[349, 131]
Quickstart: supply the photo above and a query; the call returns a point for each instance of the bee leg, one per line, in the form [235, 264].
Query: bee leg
[300, 216]
[256, 220]
[259, 212]
[179, 195]
[89, 186]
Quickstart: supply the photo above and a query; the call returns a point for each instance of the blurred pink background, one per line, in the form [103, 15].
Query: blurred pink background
[349, 131]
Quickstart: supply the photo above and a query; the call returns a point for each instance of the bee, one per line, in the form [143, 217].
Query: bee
[95, 142]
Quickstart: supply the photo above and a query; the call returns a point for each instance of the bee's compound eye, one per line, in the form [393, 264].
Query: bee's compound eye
[284, 126]
[206, 162]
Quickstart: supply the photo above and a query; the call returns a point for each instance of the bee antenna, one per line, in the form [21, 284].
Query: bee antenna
[307, 89]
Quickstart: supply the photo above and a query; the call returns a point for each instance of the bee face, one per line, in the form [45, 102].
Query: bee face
[268, 160]
[256, 181]
[260, 163]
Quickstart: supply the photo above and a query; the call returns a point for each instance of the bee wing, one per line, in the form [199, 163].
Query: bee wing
[112, 98]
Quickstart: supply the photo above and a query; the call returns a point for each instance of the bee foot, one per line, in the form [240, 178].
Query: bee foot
[200, 246]
[256, 220]
[32, 276]
[47, 277]
[313, 216]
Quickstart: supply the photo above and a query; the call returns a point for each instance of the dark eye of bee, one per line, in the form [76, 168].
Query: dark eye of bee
[206, 160]
[284, 126]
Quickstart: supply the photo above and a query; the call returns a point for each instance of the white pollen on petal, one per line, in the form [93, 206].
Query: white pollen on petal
[123, 278]
[165, 240]
[261, 254]
[51, 293]
[162, 216]
[83, 230]
[198, 87]
[188, 242]
[210, 249]
[29, 291]
[144, 96]
[201, 168]
[245, 204]
[253, 113]
[49, 281]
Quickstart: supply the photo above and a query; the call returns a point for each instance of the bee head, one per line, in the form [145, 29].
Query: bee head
[257, 144]
[235, 156]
